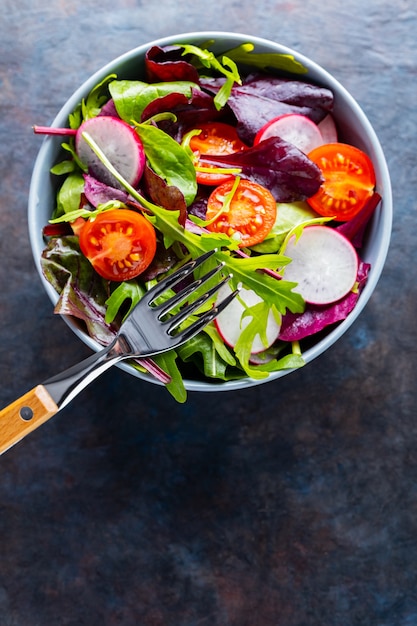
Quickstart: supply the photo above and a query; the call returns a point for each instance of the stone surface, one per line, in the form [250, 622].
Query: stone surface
[291, 504]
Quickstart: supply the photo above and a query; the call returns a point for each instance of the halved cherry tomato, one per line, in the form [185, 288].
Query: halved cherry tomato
[349, 180]
[215, 138]
[119, 243]
[249, 215]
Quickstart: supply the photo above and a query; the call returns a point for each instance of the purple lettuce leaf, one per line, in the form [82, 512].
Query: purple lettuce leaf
[167, 196]
[109, 109]
[262, 98]
[97, 192]
[278, 165]
[163, 261]
[297, 326]
[199, 205]
[82, 292]
[294, 92]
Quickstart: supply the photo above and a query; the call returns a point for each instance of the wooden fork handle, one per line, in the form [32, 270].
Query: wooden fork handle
[24, 415]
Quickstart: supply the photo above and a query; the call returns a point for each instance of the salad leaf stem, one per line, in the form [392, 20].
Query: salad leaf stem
[49, 130]
[225, 208]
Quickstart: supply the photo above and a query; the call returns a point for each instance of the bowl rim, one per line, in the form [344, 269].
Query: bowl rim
[382, 219]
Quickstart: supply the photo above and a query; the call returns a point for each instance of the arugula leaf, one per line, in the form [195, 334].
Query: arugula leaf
[273, 291]
[98, 96]
[278, 292]
[225, 66]
[219, 345]
[72, 214]
[298, 229]
[258, 314]
[244, 54]
[167, 223]
[126, 291]
[202, 352]
[287, 362]
[167, 362]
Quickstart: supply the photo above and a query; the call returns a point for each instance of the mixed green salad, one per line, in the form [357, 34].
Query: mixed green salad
[236, 152]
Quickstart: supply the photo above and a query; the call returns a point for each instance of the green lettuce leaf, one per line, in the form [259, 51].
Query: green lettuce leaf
[69, 194]
[169, 160]
[288, 216]
[131, 97]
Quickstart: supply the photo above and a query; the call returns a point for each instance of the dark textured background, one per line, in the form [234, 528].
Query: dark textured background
[291, 504]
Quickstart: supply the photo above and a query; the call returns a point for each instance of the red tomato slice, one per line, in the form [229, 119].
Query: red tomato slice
[349, 180]
[215, 138]
[119, 243]
[250, 214]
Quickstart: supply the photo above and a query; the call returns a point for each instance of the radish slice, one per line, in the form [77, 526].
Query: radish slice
[121, 145]
[328, 129]
[230, 324]
[297, 129]
[323, 263]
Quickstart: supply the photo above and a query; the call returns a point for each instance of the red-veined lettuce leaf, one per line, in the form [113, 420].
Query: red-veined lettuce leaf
[276, 164]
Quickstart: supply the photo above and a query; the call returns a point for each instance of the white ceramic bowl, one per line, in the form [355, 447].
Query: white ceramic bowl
[354, 127]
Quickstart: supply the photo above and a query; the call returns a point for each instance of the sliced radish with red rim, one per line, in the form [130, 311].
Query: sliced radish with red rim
[324, 264]
[231, 322]
[297, 129]
[120, 144]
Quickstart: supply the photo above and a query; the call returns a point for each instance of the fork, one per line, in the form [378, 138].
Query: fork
[147, 330]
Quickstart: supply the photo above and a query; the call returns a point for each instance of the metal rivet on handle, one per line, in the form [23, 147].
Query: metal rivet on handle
[26, 413]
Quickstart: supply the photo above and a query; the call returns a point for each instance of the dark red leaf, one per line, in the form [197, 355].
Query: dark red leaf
[167, 196]
[355, 228]
[278, 165]
[167, 64]
[262, 98]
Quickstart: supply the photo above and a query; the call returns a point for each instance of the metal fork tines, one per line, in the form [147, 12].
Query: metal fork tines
[149, 330]
[144, 332]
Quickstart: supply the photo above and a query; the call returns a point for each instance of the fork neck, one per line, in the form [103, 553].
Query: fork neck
[65, 386]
